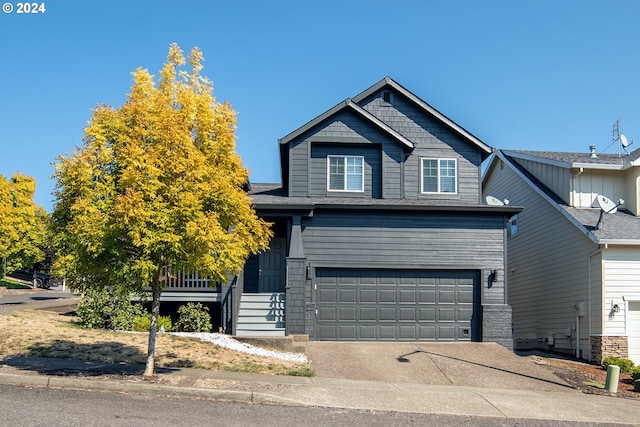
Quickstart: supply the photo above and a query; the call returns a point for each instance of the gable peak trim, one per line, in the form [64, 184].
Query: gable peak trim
[388, 81]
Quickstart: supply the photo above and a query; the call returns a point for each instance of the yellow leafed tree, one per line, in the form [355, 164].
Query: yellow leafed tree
[22, 223]
[156, 183]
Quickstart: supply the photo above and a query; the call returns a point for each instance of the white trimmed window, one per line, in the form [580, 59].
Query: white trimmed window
[345, 173]
[439, 175]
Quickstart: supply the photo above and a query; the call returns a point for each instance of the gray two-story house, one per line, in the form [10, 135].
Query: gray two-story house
[380, 230]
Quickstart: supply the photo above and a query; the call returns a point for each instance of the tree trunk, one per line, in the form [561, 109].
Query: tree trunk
[156, 290]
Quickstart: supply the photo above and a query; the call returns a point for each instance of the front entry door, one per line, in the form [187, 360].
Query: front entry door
[272, 267]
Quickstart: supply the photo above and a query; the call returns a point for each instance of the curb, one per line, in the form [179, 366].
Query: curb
[44, 381]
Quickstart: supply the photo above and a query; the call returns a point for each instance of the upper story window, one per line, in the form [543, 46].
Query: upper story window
[345, 173]
[439, 175]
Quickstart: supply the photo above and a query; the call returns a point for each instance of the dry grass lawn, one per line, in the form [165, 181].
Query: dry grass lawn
[39, 333]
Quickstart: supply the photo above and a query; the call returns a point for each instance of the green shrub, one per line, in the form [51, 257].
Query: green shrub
[107, 309]
[626, 365]
[193, 317]
[635, 374]
[93, 310]
[142, 323]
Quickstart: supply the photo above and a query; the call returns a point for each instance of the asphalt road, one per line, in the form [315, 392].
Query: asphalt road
[40, 298]
[24, 406]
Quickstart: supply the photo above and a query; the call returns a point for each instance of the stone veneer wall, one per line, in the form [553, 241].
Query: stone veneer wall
[604, 346]
[295, 302]
[496, 324]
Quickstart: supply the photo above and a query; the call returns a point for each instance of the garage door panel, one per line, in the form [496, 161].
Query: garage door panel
[387, 314]
[426, 332]
[327, 296]
[327, 332]
[407, 295]
[368, 295]
[427, 296]
[426, 280]
[446, 296]
[367, 333]
[407, 313]
[396, 305]
[347, 332]
[464, 314]
[427, 314]
[387, 295]
[446, 332]
[465, 296]
[367, 314]
[347, 296]
[387, 332]
[347, 314]
[407, 332]
[328, 313]
[446, 314]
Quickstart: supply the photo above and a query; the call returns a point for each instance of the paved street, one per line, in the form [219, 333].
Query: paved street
[38, 298]
[69, 408]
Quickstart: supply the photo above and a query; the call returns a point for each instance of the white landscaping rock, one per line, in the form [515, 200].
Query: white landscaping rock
[229, 342]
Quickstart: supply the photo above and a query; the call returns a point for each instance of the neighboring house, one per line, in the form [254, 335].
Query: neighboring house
[381, 232]
[573, 271]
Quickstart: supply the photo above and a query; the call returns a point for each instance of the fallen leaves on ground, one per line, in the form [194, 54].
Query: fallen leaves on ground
[586, 377]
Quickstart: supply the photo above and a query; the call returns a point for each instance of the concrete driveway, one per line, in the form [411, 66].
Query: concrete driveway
[460, 364]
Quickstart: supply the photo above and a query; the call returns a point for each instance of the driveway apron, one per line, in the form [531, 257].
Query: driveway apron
[460, 364]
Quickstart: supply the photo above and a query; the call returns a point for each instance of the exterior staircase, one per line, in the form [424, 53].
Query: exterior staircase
[261, 315]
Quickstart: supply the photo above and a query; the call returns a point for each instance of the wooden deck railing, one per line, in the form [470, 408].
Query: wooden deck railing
[183, 280]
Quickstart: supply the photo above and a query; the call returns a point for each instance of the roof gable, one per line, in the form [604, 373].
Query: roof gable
[624, 228]
[424, 106]
[353, 104]
[347, 104]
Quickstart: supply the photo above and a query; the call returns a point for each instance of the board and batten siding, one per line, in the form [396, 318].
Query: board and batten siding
[556, 178]
[622, 278]
[432, 139]
[360, 239]
[591, 182]
[548, 264]
[632, 190]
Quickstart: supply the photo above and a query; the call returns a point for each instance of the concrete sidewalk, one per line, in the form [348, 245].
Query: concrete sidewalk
[502, 403]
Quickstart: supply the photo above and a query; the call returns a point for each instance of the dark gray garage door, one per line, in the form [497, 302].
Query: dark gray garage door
[398, 305]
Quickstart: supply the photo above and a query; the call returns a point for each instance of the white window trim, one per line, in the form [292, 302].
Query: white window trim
[344, 184]
[422, 159]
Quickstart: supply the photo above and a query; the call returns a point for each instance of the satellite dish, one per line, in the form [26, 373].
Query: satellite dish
[607, 205]
[624, 141]
[494, 201]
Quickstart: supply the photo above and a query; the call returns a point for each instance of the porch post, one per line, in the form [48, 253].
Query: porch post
[296, 280]
[295, 245]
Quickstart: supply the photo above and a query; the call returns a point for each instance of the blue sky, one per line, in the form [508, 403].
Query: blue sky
[541, 74]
